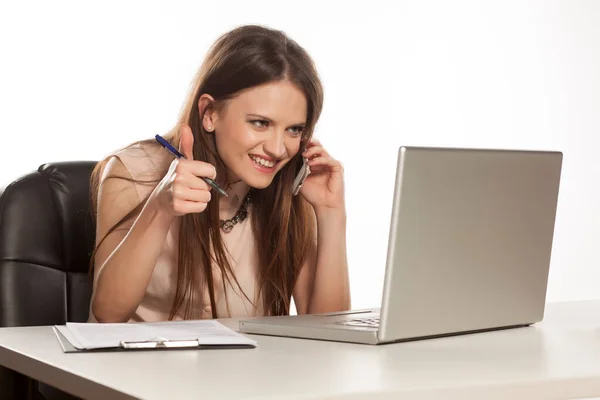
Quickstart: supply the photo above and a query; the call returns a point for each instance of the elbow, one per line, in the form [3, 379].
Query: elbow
[103, 313]
[329, 307]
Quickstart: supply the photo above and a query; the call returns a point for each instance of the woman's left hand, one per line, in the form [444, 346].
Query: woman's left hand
[324, 187]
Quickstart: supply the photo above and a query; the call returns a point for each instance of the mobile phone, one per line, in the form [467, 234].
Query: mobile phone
[301, 177]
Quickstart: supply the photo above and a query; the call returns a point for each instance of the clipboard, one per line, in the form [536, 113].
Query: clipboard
[157, 344]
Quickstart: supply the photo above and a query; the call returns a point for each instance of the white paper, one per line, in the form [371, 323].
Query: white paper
[69, 336]
[106, 335]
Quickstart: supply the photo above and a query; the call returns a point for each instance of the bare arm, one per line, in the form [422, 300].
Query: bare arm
[125, 260]
[323, 284]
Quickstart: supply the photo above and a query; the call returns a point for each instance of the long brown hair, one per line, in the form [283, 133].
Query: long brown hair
[283, 224]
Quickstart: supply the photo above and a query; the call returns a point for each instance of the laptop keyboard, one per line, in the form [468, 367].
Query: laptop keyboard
[372, 322]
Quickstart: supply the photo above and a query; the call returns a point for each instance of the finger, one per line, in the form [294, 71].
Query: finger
[312, 143]
[186, 144]
[318, 170]
[196, 195]
[187, 207]
[198, 168]
[187, 180]
[315, 151]
[324, 162]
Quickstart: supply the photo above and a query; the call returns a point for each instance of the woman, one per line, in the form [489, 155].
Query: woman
[169, 247]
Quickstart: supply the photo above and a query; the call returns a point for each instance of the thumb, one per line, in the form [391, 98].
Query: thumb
[186, 145]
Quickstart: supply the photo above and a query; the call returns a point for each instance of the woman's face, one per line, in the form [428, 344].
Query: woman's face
[259, 131]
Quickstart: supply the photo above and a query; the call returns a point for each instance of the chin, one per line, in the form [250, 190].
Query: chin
[258, 183]
[258, 177]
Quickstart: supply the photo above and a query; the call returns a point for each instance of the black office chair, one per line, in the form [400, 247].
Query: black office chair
[46, 239]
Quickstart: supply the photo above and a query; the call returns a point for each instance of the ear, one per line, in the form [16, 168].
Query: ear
[207, 102]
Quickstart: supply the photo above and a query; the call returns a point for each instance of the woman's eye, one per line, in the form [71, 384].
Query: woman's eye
[296, 130]
[259, 123]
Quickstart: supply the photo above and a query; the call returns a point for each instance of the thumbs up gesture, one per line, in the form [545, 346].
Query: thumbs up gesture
[182, 190]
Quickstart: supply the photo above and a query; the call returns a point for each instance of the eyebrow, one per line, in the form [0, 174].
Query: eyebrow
[258, 116]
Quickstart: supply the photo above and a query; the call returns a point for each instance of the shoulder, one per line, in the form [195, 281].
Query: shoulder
[139, 166]
[144, 160]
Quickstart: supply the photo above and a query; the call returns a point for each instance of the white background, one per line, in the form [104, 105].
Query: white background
[79, 79]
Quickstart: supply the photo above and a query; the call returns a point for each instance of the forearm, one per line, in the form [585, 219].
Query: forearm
[124, 277]
[331, 288]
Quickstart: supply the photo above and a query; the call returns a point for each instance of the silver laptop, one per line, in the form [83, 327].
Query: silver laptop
[469, 250]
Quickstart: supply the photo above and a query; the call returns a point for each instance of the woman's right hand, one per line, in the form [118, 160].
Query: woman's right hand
[182, 191]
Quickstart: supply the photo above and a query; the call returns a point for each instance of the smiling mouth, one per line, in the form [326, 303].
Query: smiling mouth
[262, 163]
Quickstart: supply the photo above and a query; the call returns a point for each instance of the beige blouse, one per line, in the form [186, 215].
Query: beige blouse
[144, 162]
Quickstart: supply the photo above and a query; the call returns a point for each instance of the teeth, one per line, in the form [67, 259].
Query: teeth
[261, 161]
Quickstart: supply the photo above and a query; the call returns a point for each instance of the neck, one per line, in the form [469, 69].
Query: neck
[236, 193]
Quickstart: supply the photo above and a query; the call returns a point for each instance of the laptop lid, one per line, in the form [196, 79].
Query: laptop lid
[470, 240]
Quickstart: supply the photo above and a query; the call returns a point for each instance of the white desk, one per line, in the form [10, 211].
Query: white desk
[558, 358]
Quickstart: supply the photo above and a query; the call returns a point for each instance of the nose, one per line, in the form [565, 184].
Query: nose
[274, 145]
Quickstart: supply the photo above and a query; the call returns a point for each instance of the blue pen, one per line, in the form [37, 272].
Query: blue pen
[177, 154]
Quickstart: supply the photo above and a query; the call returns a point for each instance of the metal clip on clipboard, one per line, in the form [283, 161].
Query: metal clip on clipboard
[160, 343]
